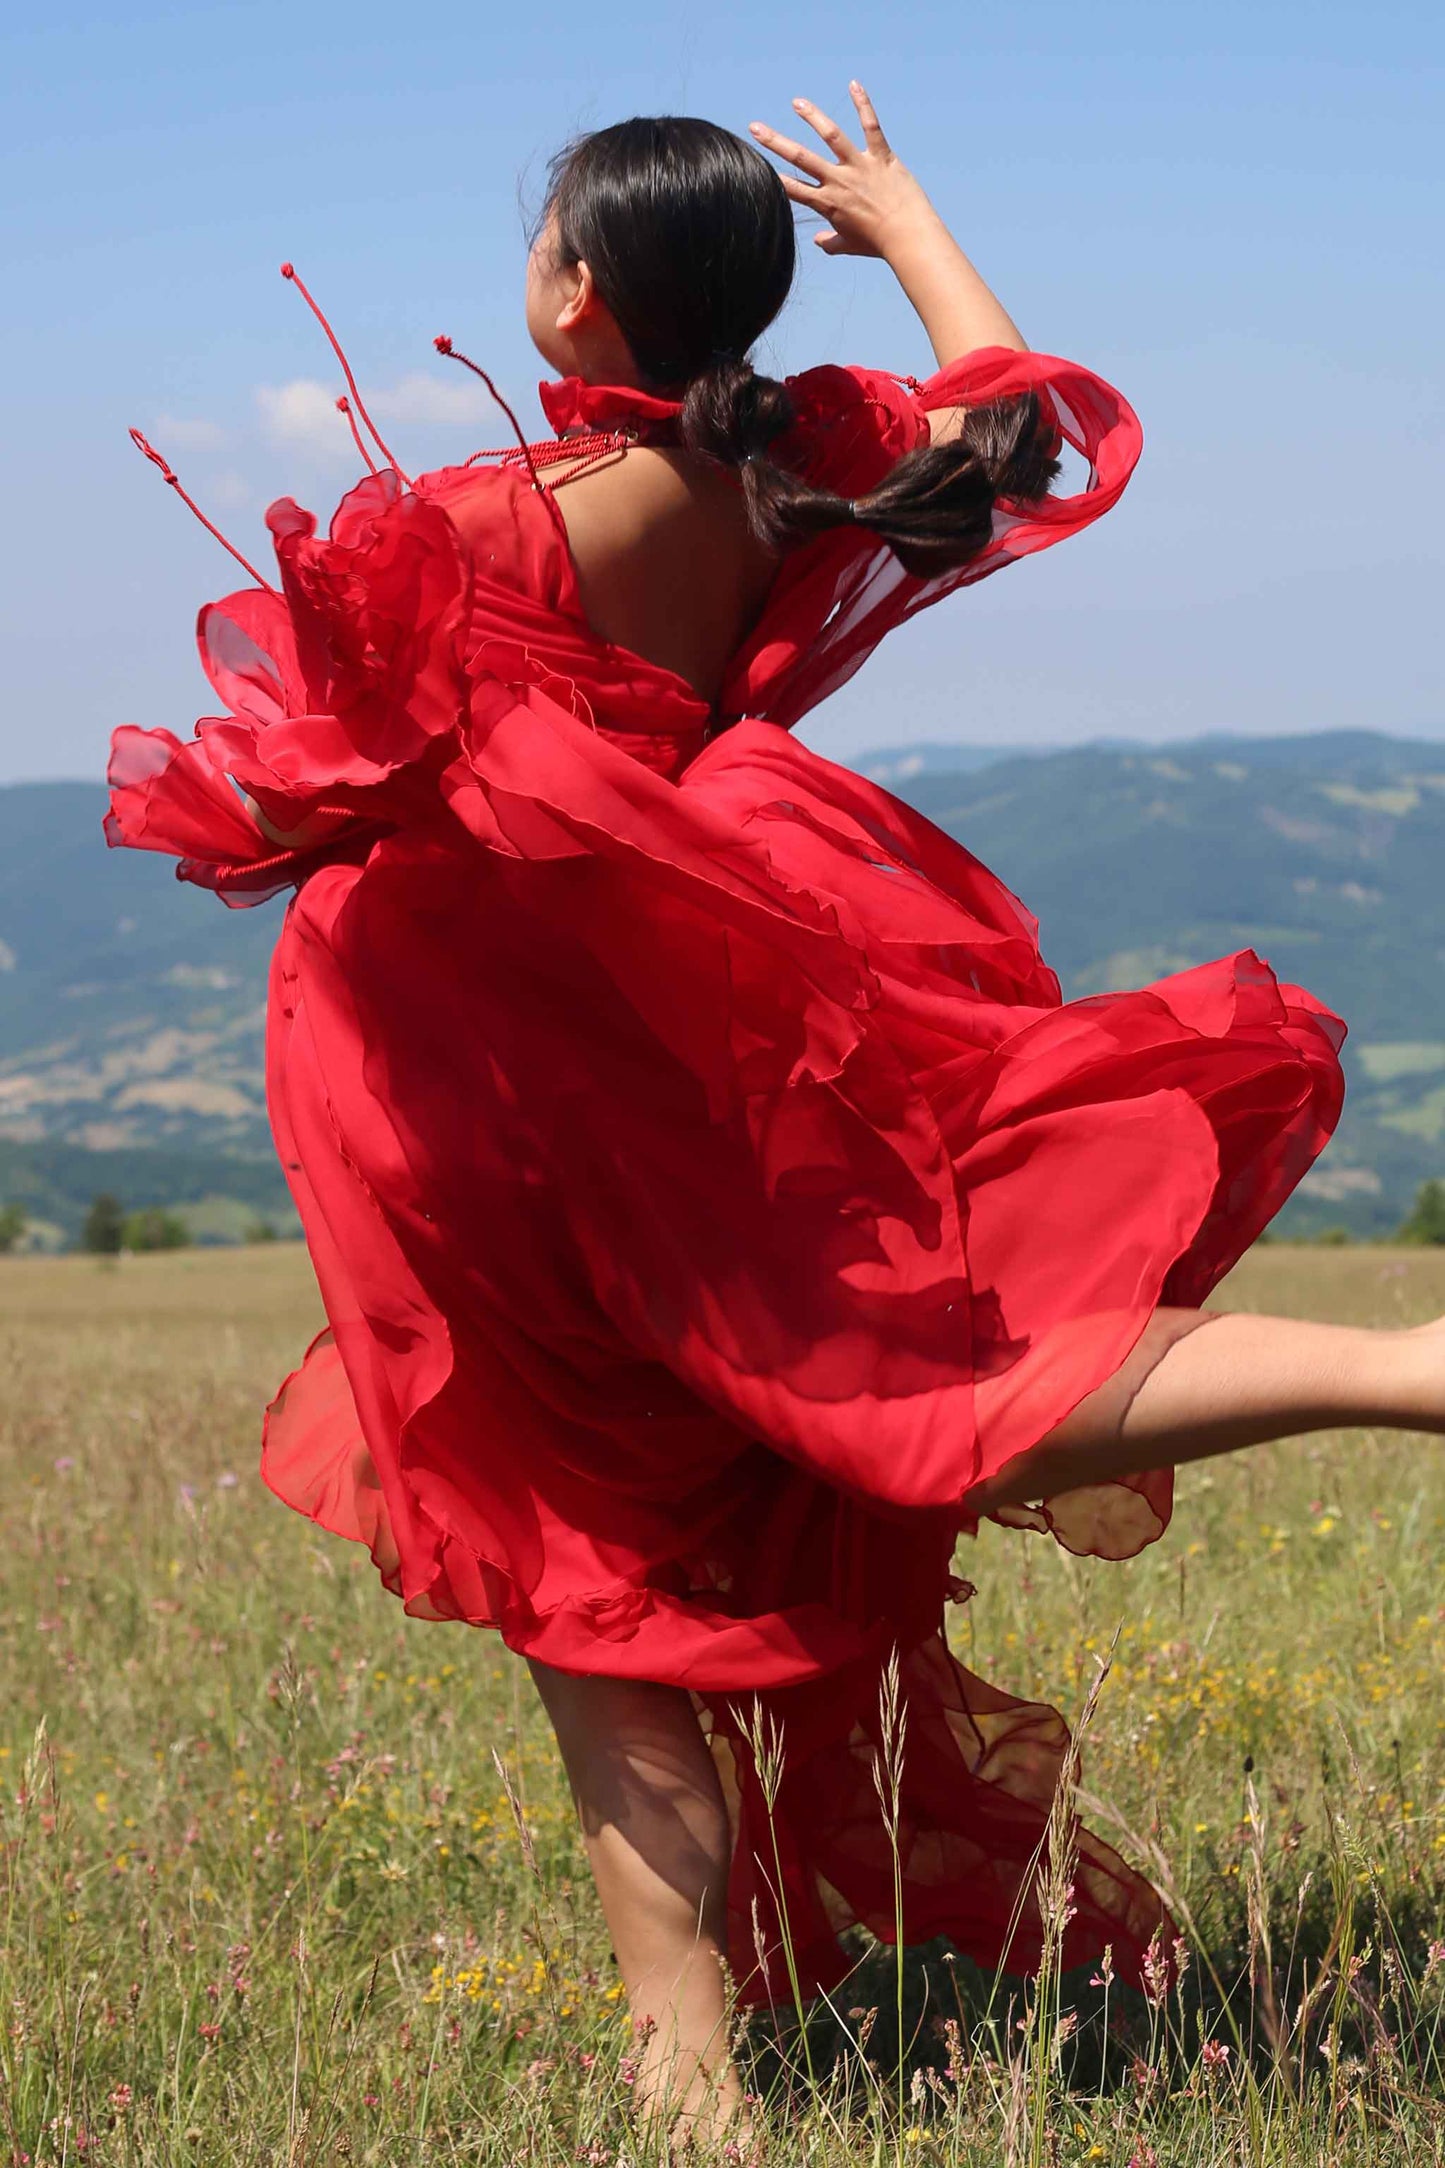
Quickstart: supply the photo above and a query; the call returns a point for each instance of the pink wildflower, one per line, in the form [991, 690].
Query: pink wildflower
[1156, 1971]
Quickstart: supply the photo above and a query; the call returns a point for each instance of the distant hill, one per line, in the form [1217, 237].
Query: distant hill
[131, 1006]
[1326, 853]
[131, 1012]
[901, 765]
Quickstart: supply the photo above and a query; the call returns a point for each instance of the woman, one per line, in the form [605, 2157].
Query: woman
[715, 1206]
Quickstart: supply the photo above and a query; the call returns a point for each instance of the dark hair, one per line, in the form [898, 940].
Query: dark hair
[689, 237]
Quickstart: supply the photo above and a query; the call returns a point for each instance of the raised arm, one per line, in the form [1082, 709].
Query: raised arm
[872, 205]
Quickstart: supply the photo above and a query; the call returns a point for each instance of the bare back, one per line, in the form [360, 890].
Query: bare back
[667, 564]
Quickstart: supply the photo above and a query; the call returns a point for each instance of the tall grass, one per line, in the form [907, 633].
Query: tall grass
[289, 1878]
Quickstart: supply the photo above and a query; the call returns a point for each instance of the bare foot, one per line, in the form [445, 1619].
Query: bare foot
[711, 2120]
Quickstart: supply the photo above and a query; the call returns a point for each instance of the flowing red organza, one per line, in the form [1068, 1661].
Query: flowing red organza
[706, 1182]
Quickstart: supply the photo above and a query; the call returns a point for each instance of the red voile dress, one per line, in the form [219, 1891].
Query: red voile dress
[706, 1182]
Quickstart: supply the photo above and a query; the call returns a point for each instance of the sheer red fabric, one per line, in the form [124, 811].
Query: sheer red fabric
[706, 1182]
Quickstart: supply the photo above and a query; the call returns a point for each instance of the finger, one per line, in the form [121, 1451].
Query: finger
[832, 244]
[873, 136]
[828, 129]
[797, 154]
[804, 192]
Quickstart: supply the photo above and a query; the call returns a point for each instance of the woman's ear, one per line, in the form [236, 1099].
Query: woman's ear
[581, 298]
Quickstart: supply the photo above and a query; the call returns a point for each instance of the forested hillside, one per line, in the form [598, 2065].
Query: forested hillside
[131, 1006]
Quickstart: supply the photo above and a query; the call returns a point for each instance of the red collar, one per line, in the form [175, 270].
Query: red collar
[571, 403]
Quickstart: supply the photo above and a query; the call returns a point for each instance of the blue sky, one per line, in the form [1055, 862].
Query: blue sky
[1232, 210]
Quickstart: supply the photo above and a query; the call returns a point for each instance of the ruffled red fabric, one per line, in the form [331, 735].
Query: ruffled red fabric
[707, 1185]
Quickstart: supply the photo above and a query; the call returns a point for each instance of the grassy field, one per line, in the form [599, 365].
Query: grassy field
[264, 1898]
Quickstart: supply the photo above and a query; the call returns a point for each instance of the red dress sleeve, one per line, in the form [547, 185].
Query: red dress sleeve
[851, 426]
[835, 601]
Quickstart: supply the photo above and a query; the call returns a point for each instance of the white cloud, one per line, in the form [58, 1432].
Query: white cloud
[304, 412]
[188, 432]
[422, 399]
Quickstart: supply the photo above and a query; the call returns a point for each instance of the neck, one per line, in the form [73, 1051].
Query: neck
[605, 358]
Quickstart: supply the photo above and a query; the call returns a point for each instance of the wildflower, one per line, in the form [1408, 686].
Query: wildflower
[120, 2098]
[1143, 2156]
[1156, 1971]
[209, 2032]
[64, 1465]
[1215, 2054]
[627, 2070]
[1434, 1959]
[1104, 1977]
[226, 1480]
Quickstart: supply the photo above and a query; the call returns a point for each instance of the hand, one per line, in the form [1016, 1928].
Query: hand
[868, 197]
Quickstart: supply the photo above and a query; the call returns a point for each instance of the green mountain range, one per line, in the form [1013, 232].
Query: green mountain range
[131, 1006]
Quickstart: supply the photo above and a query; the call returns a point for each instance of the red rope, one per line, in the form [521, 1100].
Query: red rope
[444, 345]
[235, 869]
[585, 450]
[343, 406]
[289, 271]
[169, 475]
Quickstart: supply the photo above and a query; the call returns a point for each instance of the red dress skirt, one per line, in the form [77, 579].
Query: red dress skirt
[707, 1184]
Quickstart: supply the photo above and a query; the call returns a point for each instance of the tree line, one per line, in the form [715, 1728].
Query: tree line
[109, 1228]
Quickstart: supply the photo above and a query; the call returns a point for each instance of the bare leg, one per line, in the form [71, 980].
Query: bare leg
[659, 1845]
[1186, 1394]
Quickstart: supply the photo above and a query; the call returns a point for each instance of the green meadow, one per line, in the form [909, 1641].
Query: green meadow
[290, 1878]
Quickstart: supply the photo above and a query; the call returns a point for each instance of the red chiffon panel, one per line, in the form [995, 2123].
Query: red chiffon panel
[706, 1183]
[834, 603]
